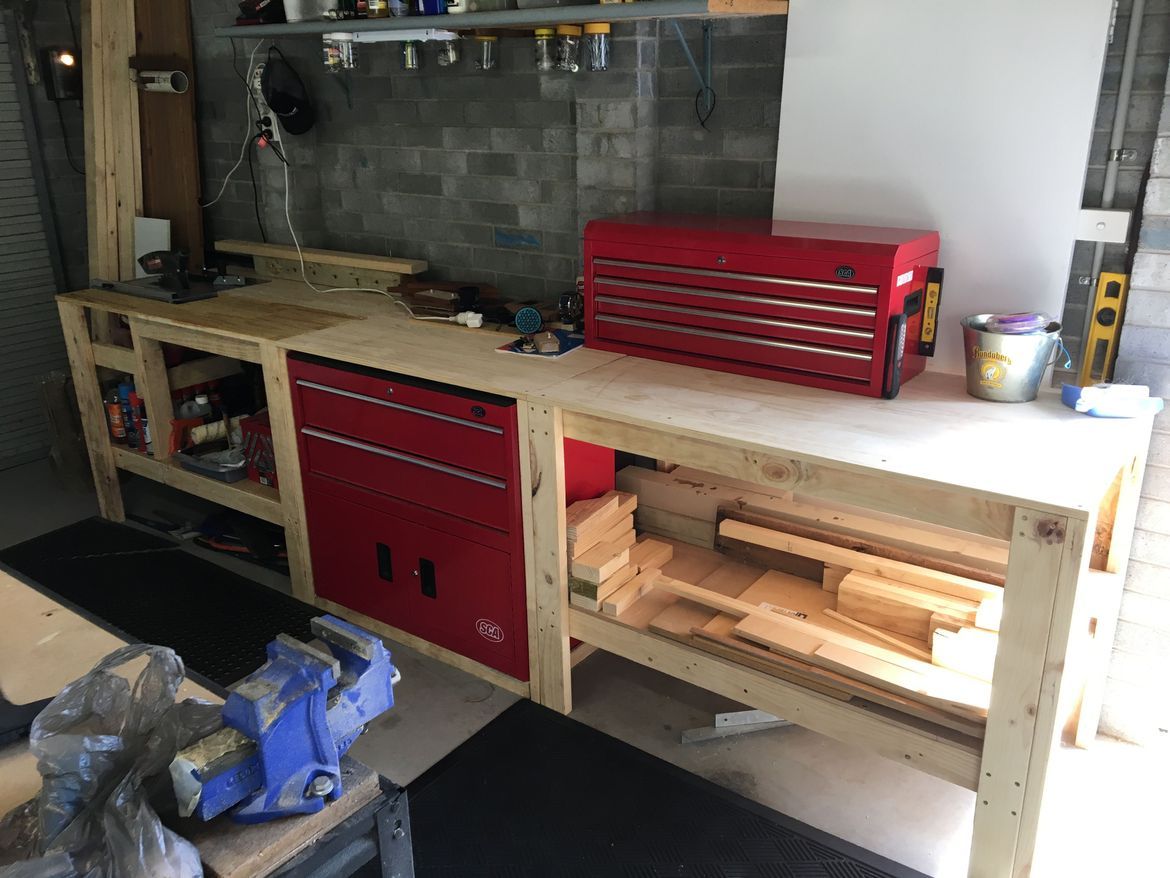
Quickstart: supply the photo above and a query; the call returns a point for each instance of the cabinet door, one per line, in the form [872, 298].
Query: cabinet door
[445, 589]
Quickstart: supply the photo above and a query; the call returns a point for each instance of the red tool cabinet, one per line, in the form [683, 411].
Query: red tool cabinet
[808, 303]
[413, 505]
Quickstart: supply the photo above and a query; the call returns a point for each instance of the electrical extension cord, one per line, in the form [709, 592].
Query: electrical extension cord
[248, 105]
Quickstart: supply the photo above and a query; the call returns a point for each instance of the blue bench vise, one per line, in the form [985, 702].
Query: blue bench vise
[286, 727]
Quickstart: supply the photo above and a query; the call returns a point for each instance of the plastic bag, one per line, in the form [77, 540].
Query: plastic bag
[96, 745]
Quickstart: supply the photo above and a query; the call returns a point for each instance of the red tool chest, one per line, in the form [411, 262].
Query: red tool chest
[413, 505]
[832, 306]
[411, 495]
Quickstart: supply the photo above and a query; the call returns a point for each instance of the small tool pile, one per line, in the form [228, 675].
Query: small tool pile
[609, 567]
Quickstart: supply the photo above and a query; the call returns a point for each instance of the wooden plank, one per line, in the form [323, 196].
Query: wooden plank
[591, 592]
[677, 620]
[278, 393]
[881, 604]
[237, 850]
[324, 257]
[326, 276]
[244, 496]
[662, 522]
[150, 381]
[202, 370]
[885, 492]
[616, 534]
[772, 559]
[526, 491]
[584, 510]
[202, 340]
[955, 586]
[880, 635]
[114, 356]
[546, 459]
[834, 573]
[593, 526]
[628, 593]
[968, 651]
[650, 553]
[951, 757]
[1036, 570]
[92, 411]
[601, 562]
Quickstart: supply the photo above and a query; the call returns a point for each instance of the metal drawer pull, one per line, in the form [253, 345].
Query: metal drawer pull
[758, 278]
[727, 315]
[734, 297]
[405, 458]
[733, 336]
[450, 419]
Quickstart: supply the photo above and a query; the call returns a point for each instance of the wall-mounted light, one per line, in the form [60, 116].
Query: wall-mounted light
[62, 72]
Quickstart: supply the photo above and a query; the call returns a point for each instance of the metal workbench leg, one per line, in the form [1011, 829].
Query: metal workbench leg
[548, 574]
[1024, 723]
[92, 410]
[395, 849]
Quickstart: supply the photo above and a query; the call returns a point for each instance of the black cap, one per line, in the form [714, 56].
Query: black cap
[286, 94]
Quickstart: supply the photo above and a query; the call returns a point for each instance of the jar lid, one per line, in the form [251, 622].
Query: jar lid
[569, 30]
[202, 399]
[544, 31]
[486, 38]
[597, 27]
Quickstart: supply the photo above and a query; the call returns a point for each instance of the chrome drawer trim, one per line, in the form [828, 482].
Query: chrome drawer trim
[732, 336]
[734, 297]
[405, 458]
[450, 419]
[729, 315]
[735, 275]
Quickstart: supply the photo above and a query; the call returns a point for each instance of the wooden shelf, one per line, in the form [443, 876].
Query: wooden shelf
[520, 18]
[122, 359]
[243, 496]
[929, 748]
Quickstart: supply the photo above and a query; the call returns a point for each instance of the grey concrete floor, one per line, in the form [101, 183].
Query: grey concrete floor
[1109, 801]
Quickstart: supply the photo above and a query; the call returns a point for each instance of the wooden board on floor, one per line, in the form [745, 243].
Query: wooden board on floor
[234, 850]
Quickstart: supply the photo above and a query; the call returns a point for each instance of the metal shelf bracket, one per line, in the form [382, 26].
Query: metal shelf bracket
[702, 77]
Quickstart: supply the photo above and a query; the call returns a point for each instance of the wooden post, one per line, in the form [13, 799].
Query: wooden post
[151, 382]
[288, 468]
[552, 684]
[1047, 556]
[92, 410]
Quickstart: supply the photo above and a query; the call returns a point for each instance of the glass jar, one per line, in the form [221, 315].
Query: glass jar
[338, 55]
[597, 45]
[448, 53]
[411, 55]
[569, 47]
[378, 8]
[485, 52]
[546, 49]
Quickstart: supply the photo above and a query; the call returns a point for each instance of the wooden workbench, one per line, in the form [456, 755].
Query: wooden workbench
[1059, 488]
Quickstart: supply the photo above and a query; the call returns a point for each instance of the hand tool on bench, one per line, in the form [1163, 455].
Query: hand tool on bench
[286, 727]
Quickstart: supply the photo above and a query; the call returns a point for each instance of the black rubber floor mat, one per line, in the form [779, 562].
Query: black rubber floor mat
[146, 586]
[535, 794]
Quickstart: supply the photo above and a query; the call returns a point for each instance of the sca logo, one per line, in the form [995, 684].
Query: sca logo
[489, 630]
[845, 272]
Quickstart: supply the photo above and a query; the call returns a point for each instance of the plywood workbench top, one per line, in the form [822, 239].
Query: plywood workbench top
[1039, 454]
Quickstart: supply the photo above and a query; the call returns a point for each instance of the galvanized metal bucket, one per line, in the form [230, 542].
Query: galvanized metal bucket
[1003, 367]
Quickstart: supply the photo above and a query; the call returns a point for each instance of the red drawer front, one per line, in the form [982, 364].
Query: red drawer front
[778, 306]
[473, 496]
[735, 347]
[471, 433]
[792, 278]
[450, 591]
[815, 334]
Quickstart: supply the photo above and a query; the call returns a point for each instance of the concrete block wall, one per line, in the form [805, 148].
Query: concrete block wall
[491, 177]
[1137, 703]
[1145, 106]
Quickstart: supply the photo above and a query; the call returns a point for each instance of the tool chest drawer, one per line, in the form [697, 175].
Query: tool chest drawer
[446, 589]
[458, 427]
[473, 496]
[826, 305]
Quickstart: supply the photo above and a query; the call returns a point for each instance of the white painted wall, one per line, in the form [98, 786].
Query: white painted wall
[973, 118]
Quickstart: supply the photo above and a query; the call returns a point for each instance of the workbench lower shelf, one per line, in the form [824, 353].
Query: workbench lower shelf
[244, 496]
[933, 749]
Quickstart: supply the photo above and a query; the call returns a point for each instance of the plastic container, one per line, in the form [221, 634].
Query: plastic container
[485, 52]
[1003, 367]
[597, 45]
[569, 47]
[307, 10]
[430, 7]
[546, 48]
[190, 460]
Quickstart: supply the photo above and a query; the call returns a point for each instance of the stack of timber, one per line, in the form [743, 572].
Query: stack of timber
[609, 568]
[855, 605]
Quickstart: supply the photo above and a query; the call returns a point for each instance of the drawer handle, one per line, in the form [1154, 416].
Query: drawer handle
[426, 570]
[734, 297]
[405, 458]
[450, 419]
[727, 315]
[733, 336]
[385, 568]
[735, 275]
